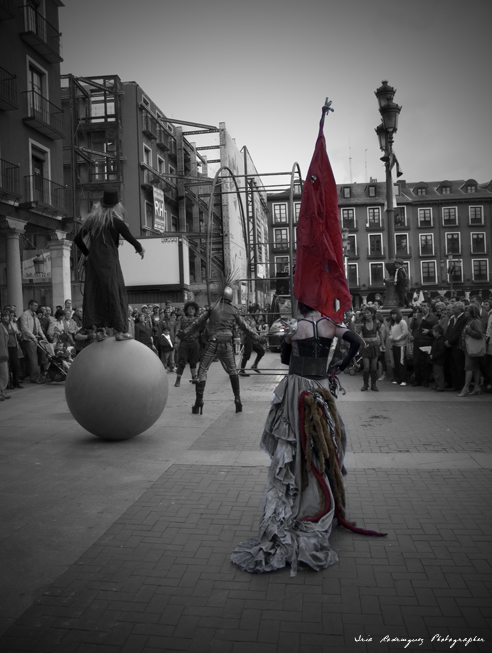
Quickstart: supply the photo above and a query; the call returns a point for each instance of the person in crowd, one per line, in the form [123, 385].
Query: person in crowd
[59, 329]
[77, 317]
[369, 330]
[68, 306]
[154, 320]
[473, 329]
[105, 302]
[146, 310]
[488, 342]
[438, 356]
[456, 353]
[4, 354]
[249, 346]
[15, 351]
[262, 326]
[32, 333]
[167, 348]
[46, 319]
[83, 338]
[421, 335]
[484, 313]
[168, 320]
[398, 338]
[383, 346]
[143, 331]
[70, 325]
[131, 322]
[189, 348]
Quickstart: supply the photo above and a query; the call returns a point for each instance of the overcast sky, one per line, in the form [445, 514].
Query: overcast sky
[264, 67]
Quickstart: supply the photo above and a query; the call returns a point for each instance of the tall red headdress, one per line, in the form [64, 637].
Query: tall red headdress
[319, 279]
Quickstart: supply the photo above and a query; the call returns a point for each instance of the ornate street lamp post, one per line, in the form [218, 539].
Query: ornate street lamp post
[390, 112]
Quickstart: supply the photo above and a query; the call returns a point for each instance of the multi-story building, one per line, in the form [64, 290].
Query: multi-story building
[442, 231]
[34, 253]
[117, 137]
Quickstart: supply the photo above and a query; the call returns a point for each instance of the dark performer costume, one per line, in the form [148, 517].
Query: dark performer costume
[105, 301]
[248, 347]
[221, 320]
[304, 434]
[189, 345]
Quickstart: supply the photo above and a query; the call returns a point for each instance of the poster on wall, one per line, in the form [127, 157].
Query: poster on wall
[159, 213]
[36, 265]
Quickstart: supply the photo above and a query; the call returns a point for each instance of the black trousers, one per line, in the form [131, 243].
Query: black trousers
[14, 364]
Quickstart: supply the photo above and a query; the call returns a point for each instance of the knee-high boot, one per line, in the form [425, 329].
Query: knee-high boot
[255, 364]
[365, 376]
[374, 378]
[243, 367]
[236, 390]
[199, 390]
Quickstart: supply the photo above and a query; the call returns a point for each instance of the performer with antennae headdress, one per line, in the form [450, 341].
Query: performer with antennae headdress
[304, 434]
[221, 319]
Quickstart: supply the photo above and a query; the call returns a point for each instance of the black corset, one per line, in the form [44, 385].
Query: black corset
[312, 347]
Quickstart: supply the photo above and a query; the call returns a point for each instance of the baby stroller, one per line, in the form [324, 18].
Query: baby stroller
[356, 365]
[59, 360]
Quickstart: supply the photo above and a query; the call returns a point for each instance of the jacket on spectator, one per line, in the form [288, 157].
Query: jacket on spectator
[29, 324]
[455, 327]
[438, 351]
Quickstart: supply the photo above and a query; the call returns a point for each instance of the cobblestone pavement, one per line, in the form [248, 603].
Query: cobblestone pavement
[125, 547]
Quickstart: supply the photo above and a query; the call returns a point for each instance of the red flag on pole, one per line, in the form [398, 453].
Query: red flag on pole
[319, 279]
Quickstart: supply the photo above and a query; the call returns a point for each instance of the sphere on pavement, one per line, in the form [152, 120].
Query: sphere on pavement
[116, 389]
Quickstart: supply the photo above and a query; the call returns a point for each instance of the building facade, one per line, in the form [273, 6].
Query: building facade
[442, 231]
[34, 250]
[117, 137]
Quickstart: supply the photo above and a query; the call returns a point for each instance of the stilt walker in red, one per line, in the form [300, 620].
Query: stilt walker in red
[304, 434]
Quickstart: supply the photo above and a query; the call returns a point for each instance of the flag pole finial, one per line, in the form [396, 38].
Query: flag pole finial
[326, 108]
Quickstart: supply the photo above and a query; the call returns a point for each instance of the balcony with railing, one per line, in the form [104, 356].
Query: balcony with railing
[9, 179]
[163, 138]
[41, 35]
[149, 126]
[43, 115]
[46, 193]
[8, 90]
[375, 224]
[102, 170]
[7, 9]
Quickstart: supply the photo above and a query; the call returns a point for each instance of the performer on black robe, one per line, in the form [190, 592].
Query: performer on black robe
[105, 302]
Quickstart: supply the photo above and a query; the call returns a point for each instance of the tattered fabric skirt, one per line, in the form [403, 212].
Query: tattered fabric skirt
[298, 504]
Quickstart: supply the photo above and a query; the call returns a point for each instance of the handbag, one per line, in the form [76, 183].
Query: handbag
[475, 347]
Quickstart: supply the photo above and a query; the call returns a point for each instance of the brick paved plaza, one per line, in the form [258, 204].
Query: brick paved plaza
[124, 547]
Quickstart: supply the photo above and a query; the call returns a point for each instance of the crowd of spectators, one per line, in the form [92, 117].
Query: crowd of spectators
[444, 344]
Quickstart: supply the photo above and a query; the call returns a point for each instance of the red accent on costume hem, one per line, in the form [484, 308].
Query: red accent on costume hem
[324, 487]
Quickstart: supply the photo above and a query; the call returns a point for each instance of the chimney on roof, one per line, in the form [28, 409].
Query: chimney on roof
[402, 182]
[373, 180]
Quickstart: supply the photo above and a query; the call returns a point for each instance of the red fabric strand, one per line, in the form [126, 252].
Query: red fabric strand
[319, 278]
[324, 487]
